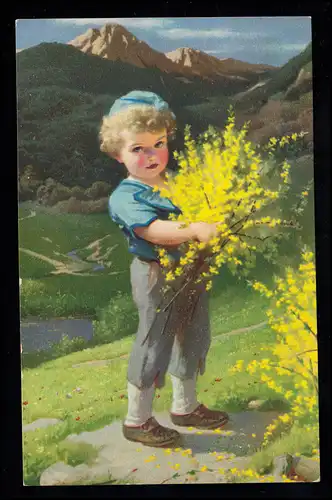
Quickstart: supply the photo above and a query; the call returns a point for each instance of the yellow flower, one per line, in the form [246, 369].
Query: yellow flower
[204, 468]
[253, 435]
[169, 276]
[285, 418]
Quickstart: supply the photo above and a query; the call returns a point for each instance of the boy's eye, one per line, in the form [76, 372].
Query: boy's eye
[137, 149]
[160, 144]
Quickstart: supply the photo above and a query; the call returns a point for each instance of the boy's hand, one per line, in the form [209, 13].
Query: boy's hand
[203, 231]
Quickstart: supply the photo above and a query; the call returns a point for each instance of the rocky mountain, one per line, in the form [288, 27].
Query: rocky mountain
[62, 94]
[288, 82]
[202, 64]
[116, 43]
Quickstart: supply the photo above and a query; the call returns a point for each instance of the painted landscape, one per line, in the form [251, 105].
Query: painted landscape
[78, 319]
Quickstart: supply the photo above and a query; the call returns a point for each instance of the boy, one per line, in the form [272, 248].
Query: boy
[136, 133]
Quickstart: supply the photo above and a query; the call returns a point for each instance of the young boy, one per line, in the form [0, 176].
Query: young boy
[136, 133]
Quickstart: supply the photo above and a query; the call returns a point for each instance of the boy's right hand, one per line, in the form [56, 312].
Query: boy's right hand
[203, 231]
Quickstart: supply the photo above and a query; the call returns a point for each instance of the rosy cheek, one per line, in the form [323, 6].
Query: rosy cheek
[162, 155]
[141, 160]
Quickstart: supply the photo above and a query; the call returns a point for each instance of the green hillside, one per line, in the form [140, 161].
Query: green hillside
[62, 96]
[279, 82]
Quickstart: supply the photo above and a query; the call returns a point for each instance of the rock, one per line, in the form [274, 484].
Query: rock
[59, 473]
[306, 468]
[268, 405]
[256, 404]
[69, 396]
[40, 423]
[63, 474]
[282, 466]
[116, 43]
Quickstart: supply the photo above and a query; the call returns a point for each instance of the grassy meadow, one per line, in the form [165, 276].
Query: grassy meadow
[49, 377]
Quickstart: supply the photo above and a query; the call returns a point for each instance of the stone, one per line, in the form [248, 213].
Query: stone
[61, 474]
[40, 423]
[267, 405]
[256, 404]
[282, 466]
[306, 468]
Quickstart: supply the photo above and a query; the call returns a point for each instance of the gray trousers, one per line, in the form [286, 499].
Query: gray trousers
[182, 355]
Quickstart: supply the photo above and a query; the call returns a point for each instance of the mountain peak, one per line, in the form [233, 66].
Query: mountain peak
[114, 42]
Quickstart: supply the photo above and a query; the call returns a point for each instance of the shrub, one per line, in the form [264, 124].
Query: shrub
[28, 184]
[98, 190]
[79, 193]
[58, 193]
[67, 345]
[83, 207]
[119, 319]
[290, 111]
[292, 367]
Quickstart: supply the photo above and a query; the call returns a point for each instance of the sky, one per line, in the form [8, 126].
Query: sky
[259, 40]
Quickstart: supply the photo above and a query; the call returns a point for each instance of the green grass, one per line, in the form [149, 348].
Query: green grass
[100, 401]
[231, 307]
[297, 441]
[48, 296]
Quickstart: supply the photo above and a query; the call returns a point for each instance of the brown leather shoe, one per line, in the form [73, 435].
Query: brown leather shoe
[151, 433]
[201, 418]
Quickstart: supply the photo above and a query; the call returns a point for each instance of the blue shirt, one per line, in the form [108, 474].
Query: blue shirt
[134, 204]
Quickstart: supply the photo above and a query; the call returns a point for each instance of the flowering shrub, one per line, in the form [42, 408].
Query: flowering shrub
[224, 179]
[292, 368]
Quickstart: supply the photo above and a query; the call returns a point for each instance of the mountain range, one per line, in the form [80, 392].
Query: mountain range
[116, 43]
[63, 90]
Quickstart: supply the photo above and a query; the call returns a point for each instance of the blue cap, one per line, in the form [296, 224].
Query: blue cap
[138, 97]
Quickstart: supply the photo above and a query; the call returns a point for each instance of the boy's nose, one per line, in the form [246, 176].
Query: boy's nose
[150, 151]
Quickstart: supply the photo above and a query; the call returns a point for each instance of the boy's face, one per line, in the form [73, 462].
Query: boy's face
[144, 154]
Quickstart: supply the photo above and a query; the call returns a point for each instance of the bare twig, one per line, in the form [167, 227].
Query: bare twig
[304, 352]
[207, 200]
[255, 237]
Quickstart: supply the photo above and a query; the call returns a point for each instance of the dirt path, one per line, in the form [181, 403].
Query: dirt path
[202, 456]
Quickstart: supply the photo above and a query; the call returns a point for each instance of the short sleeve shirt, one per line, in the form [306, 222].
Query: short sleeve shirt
[134, 204]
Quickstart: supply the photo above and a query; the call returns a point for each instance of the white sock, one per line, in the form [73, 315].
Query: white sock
[184, 395]
[139, 405]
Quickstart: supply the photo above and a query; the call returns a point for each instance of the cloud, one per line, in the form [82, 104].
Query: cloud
[131, 22]
[178, 33]
[292, 46]
[213, 51]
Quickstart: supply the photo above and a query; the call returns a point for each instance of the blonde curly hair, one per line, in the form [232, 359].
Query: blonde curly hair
[136, 119]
